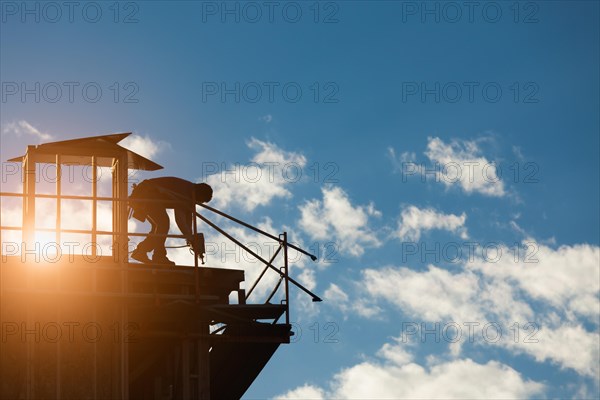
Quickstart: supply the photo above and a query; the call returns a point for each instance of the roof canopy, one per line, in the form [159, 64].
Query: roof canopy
[79, 151]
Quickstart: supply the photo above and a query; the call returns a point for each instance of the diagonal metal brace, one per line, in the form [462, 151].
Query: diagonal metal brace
[247, 225]
[315, 298]
[263, 272]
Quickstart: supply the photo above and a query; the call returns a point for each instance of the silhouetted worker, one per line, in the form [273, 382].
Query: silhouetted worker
[158, 195]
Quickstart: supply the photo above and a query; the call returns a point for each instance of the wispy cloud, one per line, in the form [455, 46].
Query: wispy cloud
[257, 183]
[455, 164]
[462, 164]
[144, 145]
[414, 221]
[24, 128]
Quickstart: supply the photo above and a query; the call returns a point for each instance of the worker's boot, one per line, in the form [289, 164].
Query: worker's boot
[160, 257]
[162, 260]
[141, 256]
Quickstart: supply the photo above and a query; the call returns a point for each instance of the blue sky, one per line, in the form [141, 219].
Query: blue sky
[387, 91]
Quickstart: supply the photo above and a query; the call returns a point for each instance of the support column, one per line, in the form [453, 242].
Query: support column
[121, 257]
[29, 196]
[58, 378]
[28, 240]
[120, 192]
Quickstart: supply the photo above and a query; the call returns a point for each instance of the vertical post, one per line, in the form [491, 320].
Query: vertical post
[194, 246]
[95, 270]
[58, 273]
[94, 209]
[28, 240]
[115, 211]
[1, 308]
[120, 256]
[120, 192]
[58, 357]
[58, 198]
[29, 196]
[287, 285]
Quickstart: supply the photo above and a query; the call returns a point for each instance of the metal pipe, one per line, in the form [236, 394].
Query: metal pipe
[247, 225]
[77, 197]
[263, 272]
[287, 284]
[274, 289]
[194, 247]
[315, 298]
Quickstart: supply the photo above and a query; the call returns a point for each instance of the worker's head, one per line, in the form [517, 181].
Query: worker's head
[203, 192]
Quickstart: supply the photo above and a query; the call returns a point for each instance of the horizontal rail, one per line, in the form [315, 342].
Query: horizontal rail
[104, 263]
[218, 337]
[86, 232]
[74, 293]
[90, 198]
[159, 201]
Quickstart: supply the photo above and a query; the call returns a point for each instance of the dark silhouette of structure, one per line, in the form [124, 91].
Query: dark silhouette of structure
[94, 326]
[150, 200]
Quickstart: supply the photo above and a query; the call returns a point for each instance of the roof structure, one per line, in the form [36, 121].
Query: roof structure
[78, 151]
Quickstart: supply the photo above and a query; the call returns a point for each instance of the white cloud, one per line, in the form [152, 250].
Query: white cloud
[432, 295]
[413, 221]
[460, 163]
[23, 128]
[339, 298]
[395, 376]
[267, 177]
[11, 213]
[399, 162]
[335, 294]
[569, 345]
[396, 352]
[144, 145]
[305, 392]
[335, 218]
[565, 277]
[563, 282]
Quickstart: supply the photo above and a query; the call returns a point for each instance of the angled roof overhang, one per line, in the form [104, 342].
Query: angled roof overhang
[79, 151]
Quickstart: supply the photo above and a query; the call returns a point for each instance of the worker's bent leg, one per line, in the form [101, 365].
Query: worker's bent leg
[183, 218]
[160, 227]
[147, 245]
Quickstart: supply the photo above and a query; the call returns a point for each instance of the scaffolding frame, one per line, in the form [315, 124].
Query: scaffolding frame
[120, 164]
